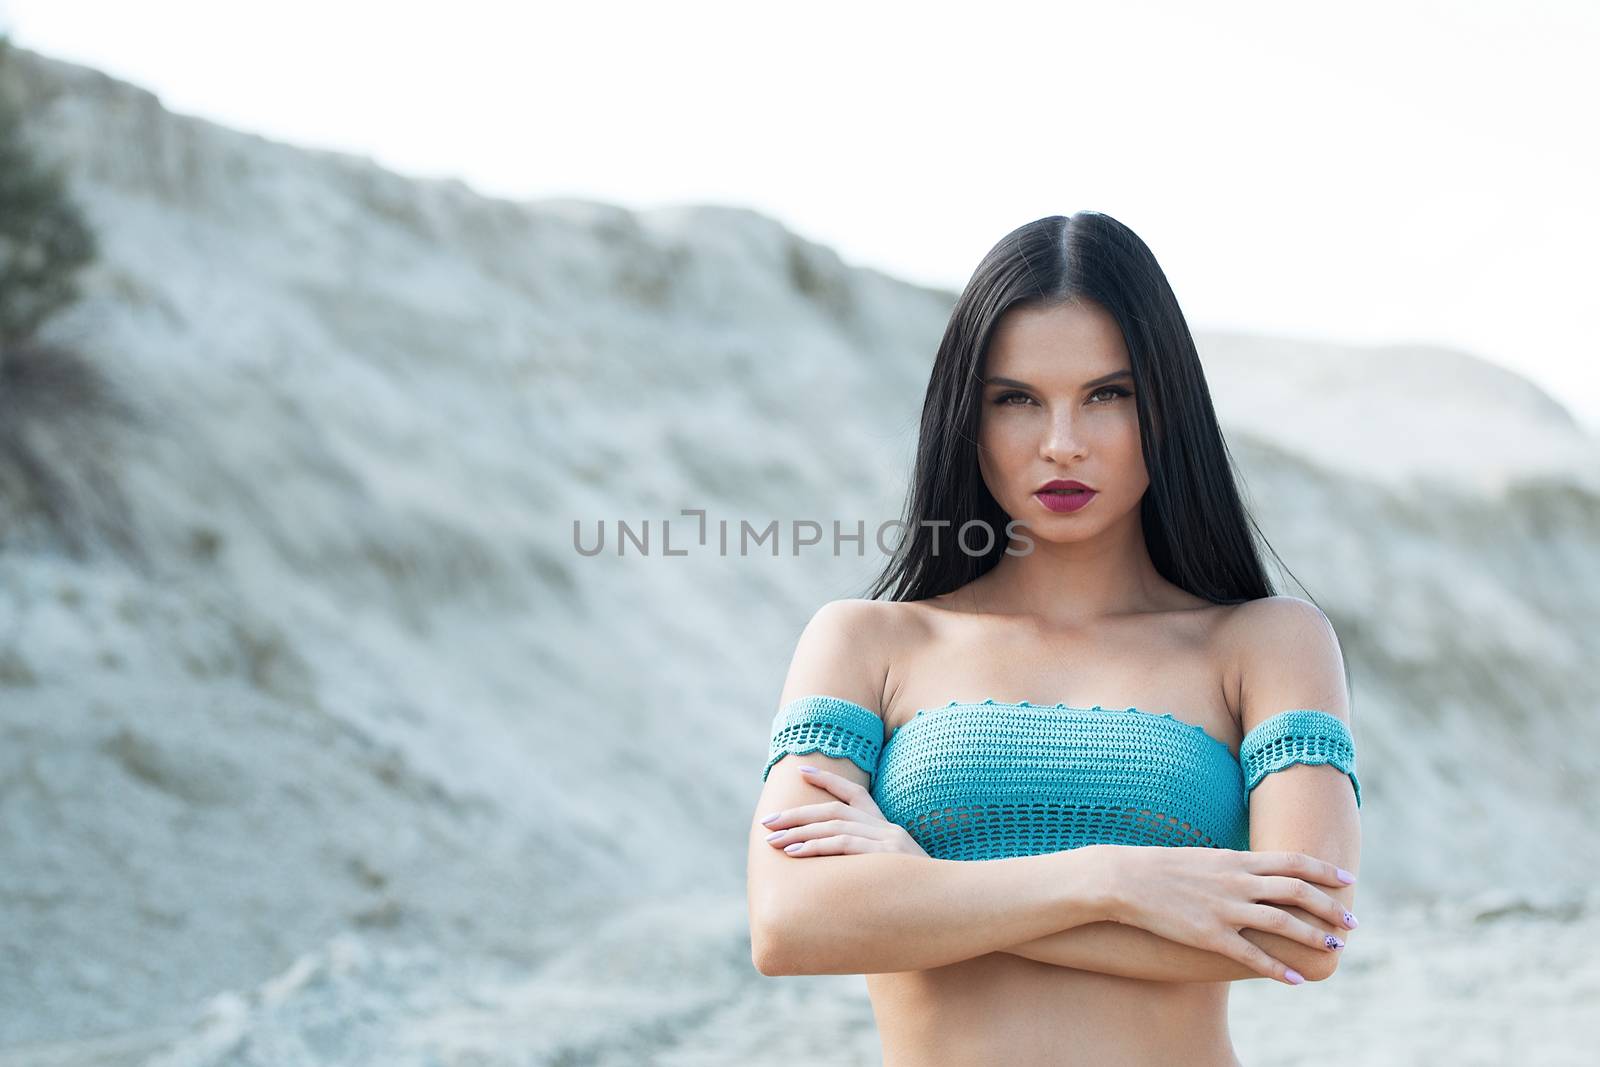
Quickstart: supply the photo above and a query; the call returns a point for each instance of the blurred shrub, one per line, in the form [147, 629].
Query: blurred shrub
[44, 240]
[57, 459]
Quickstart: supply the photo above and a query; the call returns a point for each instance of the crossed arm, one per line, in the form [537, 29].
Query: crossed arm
[1288, 812]
[835, 914]
[1053, 908]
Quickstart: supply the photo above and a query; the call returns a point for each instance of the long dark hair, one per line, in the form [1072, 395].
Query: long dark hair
[1195, 526]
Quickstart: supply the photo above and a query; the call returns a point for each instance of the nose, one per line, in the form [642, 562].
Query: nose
[1061, 441]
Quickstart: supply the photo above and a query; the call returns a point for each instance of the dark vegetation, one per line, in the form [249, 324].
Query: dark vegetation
[57, 409]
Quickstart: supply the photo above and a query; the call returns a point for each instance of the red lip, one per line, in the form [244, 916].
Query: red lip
[1059, 483]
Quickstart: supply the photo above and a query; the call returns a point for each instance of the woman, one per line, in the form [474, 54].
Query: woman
[1108, 676]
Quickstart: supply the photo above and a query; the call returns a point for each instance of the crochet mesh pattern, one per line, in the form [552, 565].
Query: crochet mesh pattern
[989, 780]
[828, 725]
[1299, 736]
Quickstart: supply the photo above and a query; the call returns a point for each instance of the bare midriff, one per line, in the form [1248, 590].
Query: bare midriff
[1004, 1008]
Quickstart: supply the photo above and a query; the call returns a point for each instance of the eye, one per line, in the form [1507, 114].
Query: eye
[1005, 399]
[1114, 390]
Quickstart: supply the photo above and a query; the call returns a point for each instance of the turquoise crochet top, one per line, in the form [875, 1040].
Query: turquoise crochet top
[988, 780]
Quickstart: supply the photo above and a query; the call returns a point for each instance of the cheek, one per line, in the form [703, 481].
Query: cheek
[1130, 456]
[1006, 437]
[1003, 445]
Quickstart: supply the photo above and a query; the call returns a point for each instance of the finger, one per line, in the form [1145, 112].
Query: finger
[837, 845]
[828, 828]
[831, 809]
[1300, 865]
[1251, 955]
[837, 784]
[1277, 921]
[801, 832]
[1303, 894]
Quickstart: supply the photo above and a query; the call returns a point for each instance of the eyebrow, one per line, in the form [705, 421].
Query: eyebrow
[1115, 375]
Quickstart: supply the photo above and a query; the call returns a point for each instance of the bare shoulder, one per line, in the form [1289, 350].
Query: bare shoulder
[1264, 618]
[845, 651]
[1283, 653]
[876, 624]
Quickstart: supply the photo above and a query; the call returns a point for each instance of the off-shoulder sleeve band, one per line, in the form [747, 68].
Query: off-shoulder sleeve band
[828, 725]
[1301, 735]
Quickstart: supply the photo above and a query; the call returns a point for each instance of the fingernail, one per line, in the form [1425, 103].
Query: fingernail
[1332, 941]
[808, 770]
[1345, 876]
[1350, 920]
[791, 848]
[1293, 975]
[770, 819]
[776, 834]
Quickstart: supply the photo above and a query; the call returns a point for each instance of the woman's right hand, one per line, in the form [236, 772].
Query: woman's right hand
[1205, 896]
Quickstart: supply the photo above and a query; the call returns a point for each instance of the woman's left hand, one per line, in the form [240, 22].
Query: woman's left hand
[849, 824]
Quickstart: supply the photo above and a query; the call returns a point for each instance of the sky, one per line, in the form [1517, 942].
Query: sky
[1367, 173]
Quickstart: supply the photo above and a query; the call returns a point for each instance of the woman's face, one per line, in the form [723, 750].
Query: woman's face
[1058, 402]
